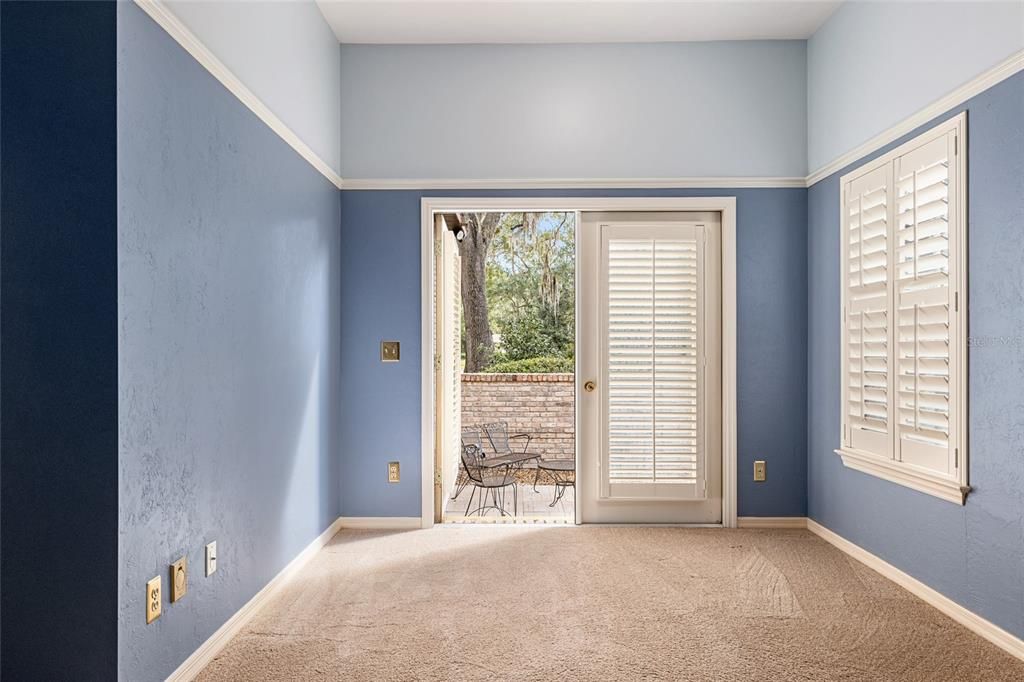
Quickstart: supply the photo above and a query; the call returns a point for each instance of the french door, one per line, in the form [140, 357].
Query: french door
[650, 368]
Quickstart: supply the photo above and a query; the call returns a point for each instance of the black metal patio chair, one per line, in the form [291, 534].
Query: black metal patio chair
[501, 441]
[471, 435]
[491, 478]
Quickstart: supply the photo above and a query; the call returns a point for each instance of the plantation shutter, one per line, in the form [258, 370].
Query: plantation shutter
[654, 407]
[867, 383]
[451, 361]
[904, 328]
[923, 302]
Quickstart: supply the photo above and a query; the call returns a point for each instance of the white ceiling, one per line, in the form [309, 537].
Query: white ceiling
[558, 21]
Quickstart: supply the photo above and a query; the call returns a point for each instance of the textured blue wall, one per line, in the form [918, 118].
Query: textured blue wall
[973, 554]
[228, 326]
[59, 337]
[380, 299]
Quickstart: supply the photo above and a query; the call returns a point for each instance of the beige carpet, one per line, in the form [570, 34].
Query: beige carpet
[599, 603]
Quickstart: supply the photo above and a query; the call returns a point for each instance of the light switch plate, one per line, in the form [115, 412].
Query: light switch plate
[760, 470]
[390, 351]
[179, 579]
[211, 558]
[154, 600]
[394, 474]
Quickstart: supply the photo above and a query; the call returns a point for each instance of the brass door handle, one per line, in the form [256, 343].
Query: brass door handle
[589, 386]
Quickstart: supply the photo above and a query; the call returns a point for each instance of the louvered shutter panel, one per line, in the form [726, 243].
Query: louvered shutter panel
[866, 246]
[453, 344]
[654, 383]
[923, 302]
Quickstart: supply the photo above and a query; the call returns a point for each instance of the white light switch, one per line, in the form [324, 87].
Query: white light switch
[211, 558]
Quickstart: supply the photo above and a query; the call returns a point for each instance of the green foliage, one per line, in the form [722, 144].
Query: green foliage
[531, 288]
[537, 365]
[527, 336]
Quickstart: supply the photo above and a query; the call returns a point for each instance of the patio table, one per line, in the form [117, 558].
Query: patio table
[563, 471]
[516, 460]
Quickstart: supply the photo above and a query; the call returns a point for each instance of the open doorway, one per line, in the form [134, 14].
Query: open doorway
[655, 431]
[505, 326]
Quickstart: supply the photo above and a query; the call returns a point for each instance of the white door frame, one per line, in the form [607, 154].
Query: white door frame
[724, 205]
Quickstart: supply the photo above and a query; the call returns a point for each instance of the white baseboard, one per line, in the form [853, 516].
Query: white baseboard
[772, 521]
[1006, 641]
[381, 522]
[209, 649]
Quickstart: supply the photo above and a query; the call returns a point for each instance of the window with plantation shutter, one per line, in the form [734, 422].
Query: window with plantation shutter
[904, 326]
[867, 312]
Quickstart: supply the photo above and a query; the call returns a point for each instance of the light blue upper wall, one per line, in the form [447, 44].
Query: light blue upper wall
[285, 53]
[873, 64]
[574, 111]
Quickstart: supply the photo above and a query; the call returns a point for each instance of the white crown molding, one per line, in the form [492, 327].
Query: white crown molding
[163, 16]
[975, 86]
[1006, 641]
[380, 522]
[209, 649]
[574, 183]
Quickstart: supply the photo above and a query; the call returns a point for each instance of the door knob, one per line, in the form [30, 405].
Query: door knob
[589, 386]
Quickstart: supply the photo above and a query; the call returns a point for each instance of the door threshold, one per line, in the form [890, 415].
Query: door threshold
[510, 521]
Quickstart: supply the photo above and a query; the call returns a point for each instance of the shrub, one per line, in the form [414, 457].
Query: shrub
[540, 365]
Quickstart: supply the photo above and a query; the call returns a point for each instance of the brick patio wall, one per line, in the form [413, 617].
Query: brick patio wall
[541, 405]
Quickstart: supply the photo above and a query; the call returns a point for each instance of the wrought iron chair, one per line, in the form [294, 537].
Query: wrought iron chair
[471, 435]
[501, 441]
[490, 480]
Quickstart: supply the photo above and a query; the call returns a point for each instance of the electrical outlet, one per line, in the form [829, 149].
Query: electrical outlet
[154, 600]
[211, 558]
[179, 579]
[393, 472]
[760, 470]
[390, 351]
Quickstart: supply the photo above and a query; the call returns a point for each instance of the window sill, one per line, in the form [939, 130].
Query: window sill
[902, 474]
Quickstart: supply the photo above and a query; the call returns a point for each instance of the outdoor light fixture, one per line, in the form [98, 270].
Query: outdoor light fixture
[459, 233]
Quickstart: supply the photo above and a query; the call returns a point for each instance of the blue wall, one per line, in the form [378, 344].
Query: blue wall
[697, 109]
[973, 554]
[228, 328]
[58, 297]
[904, 33]
[380, 299]
[285, 53]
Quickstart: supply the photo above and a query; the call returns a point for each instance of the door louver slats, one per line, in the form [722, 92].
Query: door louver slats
[653, 361]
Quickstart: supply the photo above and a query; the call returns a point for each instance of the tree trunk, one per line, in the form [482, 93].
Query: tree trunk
[480, 229]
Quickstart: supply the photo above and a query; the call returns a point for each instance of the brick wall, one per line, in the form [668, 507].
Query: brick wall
[542, 405]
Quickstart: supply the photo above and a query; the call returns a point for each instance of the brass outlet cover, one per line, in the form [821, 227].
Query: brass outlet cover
[179, 579]
[154, 600]
[760, 470]
[394, 473]
[390, 351]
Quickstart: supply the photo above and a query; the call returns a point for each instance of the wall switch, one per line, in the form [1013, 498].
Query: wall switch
[211, 558]
[393, 473]
[389, 351]
[179, 579]
[760, 470]
[154, 600]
